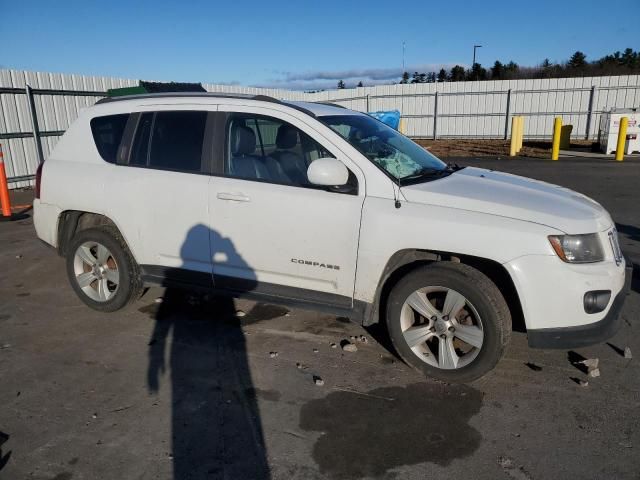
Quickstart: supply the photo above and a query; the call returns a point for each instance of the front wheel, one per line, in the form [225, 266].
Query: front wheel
[449, 321]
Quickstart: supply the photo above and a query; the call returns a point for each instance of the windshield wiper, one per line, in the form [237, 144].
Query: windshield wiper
[454, 167]
[425, 173]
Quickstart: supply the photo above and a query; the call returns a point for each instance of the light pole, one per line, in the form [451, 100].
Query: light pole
[475, 47]
[403, 47]
[473, 65]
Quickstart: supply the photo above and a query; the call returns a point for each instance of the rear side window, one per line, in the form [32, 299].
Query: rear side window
[107, 133]
[169, 141]
[176, 141]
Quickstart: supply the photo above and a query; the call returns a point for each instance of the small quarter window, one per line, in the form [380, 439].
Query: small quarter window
[140, 149]
[107, 133]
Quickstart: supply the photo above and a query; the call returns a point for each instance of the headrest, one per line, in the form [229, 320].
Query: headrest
[243, 140]
[287, 137]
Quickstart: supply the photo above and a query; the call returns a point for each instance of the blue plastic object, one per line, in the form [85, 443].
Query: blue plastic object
[391, 118]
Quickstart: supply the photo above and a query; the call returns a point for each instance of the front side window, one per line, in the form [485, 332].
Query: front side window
[169, 141]
[269, 149]
[107, 133]
[401, 158]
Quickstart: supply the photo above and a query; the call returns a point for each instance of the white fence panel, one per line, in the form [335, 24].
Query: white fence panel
[464, 109]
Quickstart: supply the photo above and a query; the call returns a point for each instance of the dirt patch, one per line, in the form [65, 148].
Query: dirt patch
[491, 148]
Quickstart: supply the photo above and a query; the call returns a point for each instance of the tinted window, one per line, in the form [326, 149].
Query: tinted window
[269, 149]
[140, 149]
[107, 133]
[176, 141]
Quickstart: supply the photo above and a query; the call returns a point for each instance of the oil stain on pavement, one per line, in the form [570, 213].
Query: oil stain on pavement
[370, 433]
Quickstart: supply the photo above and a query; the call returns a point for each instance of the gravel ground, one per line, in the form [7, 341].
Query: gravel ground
[460, 147]
[187, 387]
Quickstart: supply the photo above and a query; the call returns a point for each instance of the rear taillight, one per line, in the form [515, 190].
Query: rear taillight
[38, 179]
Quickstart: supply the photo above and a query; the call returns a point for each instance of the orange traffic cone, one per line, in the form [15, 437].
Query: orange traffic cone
[5, 201]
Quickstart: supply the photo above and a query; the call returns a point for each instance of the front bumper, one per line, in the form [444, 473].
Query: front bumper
[584, 335]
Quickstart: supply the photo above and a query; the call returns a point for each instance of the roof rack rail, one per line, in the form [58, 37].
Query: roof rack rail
[331, 104]
[263, 98]
[246, 96]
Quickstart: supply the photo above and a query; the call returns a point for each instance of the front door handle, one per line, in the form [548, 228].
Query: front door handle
[234, 197]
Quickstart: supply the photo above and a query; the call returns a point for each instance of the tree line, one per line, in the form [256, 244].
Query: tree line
[626, 62]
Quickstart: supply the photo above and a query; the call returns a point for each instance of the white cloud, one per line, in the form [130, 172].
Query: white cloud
[327, 79]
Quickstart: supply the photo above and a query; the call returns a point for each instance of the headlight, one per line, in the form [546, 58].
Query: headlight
[577, 248]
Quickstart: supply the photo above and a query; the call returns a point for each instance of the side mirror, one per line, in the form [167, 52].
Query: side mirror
[328, 172]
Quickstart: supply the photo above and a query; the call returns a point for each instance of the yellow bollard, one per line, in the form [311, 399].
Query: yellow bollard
[520, 132]
[402, 126]
[513, 149]
[555, 144]
[622, 137]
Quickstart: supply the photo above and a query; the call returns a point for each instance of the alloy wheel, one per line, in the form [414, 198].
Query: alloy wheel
[442, 327]
[96, 271]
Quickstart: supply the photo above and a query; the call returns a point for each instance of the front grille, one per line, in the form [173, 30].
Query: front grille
[615, 246]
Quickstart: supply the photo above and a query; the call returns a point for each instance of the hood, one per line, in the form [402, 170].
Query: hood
[511, 196]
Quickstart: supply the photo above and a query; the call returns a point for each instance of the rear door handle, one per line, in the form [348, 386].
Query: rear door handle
[234, 197]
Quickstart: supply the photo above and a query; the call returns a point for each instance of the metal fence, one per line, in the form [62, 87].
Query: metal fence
[484, 109]
[55, 102]
[36, 108]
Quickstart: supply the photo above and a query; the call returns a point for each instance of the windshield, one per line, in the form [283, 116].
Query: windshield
[393, 152]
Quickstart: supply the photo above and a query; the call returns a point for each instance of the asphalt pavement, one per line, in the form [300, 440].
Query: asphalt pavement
[183, 386]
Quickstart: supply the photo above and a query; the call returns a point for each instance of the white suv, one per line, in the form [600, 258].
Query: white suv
[318, 206]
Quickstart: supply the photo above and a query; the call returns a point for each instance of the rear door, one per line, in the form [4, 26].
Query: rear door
[161, 193]
[271, 231]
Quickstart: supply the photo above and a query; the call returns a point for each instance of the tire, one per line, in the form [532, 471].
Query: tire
[484, 320]
[110, 284]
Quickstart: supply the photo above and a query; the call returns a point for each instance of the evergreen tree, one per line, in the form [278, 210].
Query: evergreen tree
[497, 71]
[617, 63]
[511, 69]
[547, 69]
[577, 60]
[457, 74]
[477, 72]
[360, 84]
[341, 85]
[629, 58]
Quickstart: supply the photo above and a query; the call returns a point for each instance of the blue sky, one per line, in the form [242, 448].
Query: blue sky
[301, 44]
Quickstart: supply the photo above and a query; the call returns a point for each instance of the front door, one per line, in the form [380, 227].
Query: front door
[273, 232]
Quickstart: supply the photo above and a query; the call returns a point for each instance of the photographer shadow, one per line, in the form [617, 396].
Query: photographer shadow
[216, 427]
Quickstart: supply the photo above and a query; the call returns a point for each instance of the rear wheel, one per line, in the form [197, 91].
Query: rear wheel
[101, 270]
[449, 321]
